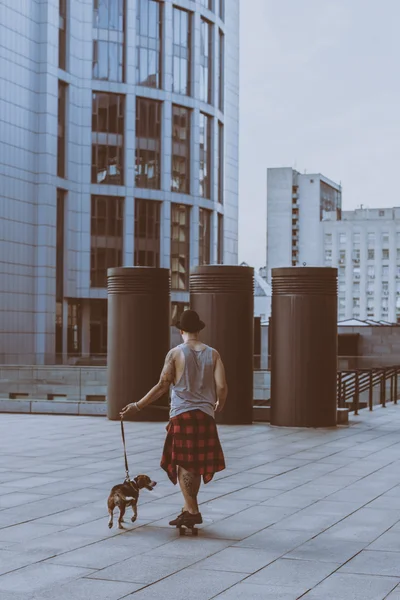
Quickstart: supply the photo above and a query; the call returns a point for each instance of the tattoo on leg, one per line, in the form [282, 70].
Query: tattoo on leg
[188, 483]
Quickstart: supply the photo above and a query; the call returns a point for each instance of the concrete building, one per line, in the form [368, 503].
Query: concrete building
[118, 146]
[306, 224]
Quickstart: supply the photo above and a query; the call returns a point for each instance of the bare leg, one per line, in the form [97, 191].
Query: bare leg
[190, 485]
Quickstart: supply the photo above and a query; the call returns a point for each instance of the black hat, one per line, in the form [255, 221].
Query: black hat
[190, 322]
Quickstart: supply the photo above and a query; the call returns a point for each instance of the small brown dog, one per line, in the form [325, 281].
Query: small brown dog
[127, 494]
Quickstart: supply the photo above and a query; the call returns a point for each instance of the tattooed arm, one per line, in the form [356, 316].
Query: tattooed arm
[167, 378]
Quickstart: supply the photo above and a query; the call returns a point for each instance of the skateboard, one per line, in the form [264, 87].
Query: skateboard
[186, 530]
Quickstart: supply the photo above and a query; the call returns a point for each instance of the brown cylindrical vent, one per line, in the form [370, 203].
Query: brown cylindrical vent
[138, 337]
[223, 297]
[304, 347]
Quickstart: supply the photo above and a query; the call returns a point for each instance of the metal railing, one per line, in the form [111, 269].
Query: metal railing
[351, 384]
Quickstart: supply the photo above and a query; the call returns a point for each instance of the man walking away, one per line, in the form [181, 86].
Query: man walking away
[192, 448]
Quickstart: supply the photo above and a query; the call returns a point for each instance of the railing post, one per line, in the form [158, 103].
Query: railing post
[383, 388]
[395, 384]
[340, 389]
[356, 393]
[391, 386]
[371, 390]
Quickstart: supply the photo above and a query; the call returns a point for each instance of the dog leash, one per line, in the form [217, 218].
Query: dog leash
[127, 478]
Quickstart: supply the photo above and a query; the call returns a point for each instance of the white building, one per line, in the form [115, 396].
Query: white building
[365, 246]
[262, 295]
[306, 225]
[118, 146]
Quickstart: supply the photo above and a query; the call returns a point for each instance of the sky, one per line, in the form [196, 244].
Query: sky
[319, 91]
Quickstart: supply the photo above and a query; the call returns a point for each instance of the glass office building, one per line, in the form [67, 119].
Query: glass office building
[119, 148]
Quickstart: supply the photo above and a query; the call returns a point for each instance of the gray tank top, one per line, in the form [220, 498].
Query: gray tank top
[196, 388]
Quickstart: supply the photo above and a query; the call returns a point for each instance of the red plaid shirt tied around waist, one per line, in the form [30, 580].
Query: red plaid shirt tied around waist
[192, 442]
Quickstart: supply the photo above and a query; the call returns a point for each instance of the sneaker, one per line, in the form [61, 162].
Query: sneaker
[186, 519]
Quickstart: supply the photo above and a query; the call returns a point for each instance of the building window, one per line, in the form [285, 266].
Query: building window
[342, 272]
[177, 309]
[381, 213]
[220, 163]
[330, 200]
[342, 257]
[206, 61]
[328, 256]
[147, 233]
[385, 254]
[74, 327]
[371, 238]
[220, 249]
[207, 4]
[109, 38]
[204, 236]
[356, 256]
[356, 302]
[356, 287]
[149, 43]
[106, 237]
[385, 271]
[60, 233]
[342, 304]
[371, 271]
[180, 246]
[148, 144]
[342, 286]
[328, 239]
[182, 52]
[61, 138]
[370, 288]
[221, 78]
[371, 254]
[342, 239]
[62, 35]
[385, 288]
[108, 139]
[385, 239]
[222, 9]
[59, 271]
[180, 149]
[205, 155]
[356, 272]
[98, 327]
[356, 238]
[397, 271]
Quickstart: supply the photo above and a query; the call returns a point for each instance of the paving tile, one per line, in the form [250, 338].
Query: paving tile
[87, 589]
[370, 562]
[239, 560]
[248, 591]
[389, 541]
[326, 550]
[190, 583]
[39, 576]
[278, 541]
[28, 531]
[299, 574]
[395, 595]
[343, 586]
[198, 548]
[144, 568]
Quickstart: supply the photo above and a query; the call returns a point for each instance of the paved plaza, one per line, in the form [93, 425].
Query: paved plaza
[298, 513]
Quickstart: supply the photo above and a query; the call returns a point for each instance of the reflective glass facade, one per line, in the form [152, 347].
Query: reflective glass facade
[149, 40]
[182, 51]
[108, 139]
[108, 40]
[148, 143]
[180, 149]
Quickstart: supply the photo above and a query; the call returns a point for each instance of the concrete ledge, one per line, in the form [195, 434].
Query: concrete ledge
[53, 407]
[262, 414]
[49, 407]
[342, 416]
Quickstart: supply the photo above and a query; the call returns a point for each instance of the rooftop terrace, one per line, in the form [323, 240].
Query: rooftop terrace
[298, 513]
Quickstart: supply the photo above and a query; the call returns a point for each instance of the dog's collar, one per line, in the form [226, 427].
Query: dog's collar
[131, 482]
